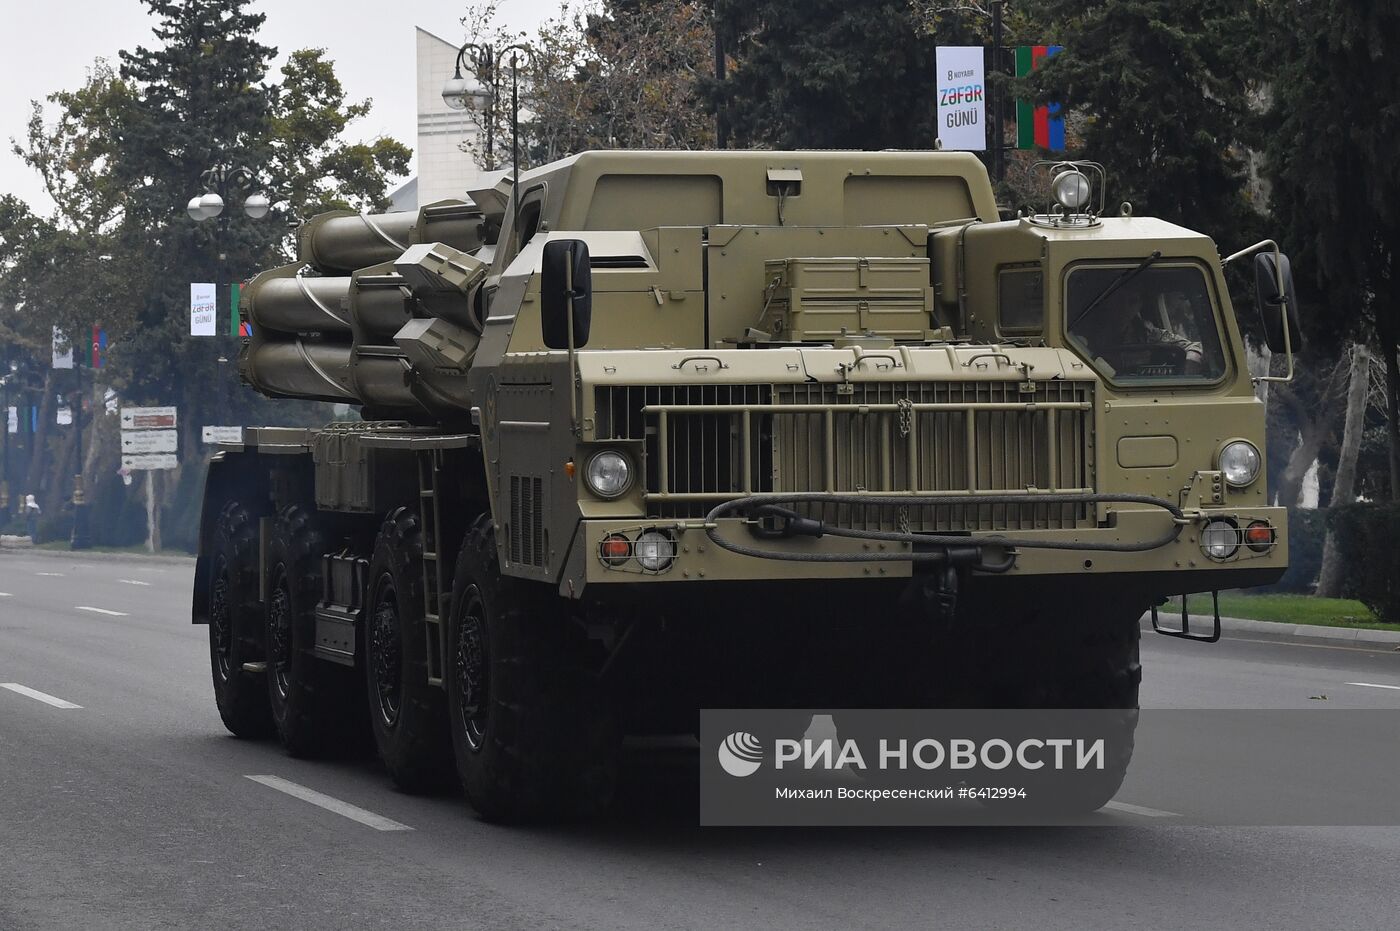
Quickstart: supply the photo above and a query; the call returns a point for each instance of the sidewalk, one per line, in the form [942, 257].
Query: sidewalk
[1237, 625]
[11, 545]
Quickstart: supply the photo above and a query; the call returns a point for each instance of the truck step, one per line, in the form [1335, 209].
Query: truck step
[255, 667]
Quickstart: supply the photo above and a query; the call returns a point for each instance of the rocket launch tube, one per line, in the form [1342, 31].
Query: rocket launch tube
[343, 241]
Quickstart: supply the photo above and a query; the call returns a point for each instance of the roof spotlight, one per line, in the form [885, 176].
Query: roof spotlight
[1071, 189]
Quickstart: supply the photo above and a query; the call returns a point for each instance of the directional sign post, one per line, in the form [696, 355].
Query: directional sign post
[148, 418]
[149, 444]
[221, 434]
[149, 441]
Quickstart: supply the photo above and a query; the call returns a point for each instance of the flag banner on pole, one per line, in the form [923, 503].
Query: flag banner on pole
[64, 359]
[245, 326]
[99, 347]
[235, 323]
[1037, 126]
[962, 98]
[203, 298]
[12, 420]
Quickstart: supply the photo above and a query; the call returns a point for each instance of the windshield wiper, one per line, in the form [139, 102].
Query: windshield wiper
[1114, 285]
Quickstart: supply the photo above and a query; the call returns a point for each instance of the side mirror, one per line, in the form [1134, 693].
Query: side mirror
[566, 278]
[1272, 313]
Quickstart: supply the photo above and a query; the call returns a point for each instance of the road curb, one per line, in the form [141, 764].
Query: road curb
[95, 556]
[1200, 622]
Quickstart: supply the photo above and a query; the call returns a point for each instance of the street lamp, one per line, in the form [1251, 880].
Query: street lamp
[483, 96]
[222, 182]
[5, 382]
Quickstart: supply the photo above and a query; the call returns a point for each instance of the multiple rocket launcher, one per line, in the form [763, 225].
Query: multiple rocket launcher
[380, 311]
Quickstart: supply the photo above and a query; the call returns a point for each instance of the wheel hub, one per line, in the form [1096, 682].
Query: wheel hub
[219, 619]
[470, 669]
[386, 659]
[279, 622]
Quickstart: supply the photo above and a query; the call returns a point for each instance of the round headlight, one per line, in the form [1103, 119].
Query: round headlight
[608, 474]
[654, 550]
[1240, 462]
[1071, 189]
[1220, 539]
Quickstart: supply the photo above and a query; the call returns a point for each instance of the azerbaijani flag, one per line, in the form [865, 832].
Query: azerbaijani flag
[1037, 126]
[99, 347]
[237, 326]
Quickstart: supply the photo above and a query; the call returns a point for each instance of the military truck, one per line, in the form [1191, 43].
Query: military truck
[657, 431]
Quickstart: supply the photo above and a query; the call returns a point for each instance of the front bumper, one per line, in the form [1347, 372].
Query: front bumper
[698, 559]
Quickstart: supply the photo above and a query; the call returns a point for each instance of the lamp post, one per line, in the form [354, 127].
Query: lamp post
[81, 538]
[222, 182]
[484, 96]
[9, 377]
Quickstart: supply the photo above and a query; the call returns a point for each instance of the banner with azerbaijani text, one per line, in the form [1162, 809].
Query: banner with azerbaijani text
[202, 303]
[962, 98]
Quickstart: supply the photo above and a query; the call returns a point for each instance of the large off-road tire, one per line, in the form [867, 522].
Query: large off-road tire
[1076, 658]
[234, 619]
[408, 717]
[533, 736]
[309, 698]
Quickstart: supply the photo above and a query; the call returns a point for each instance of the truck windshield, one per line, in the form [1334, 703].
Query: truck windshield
[1160, 324]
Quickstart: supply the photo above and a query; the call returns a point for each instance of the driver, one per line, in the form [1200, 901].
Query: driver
[1130, 335]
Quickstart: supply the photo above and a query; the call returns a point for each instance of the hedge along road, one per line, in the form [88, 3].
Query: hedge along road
[136, 810]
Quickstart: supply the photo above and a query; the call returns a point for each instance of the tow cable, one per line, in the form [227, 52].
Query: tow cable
[951, 548]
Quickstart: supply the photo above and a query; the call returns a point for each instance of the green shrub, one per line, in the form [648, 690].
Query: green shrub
[1366, 536]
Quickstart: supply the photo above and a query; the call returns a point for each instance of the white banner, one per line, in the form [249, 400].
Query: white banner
[962, 98]
[150, 441]
[61, 360]
[202, 301]
[64, 416]
[12, 420]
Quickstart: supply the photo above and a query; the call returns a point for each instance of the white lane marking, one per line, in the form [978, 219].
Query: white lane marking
[344, 809]
[100, 611]
[50, 575]
[133, 582]
[1375, 685]
[6, 595]
[1141, 810]
[37, 695]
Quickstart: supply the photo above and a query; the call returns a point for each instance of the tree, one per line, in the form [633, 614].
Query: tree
[1164, 89]
[628, 74]
[828, 74]
[1332, 134]
[122, 155]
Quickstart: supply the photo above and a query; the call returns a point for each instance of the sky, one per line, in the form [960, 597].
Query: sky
[49, 46]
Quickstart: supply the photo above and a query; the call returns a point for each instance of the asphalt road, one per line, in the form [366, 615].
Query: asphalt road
[137, 810]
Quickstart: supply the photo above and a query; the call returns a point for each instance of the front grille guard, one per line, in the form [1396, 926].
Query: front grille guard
[928, 547]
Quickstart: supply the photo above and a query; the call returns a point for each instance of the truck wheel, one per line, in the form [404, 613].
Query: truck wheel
[407, 715]
[309, 702]
[1076, 659]
[533, 736]
[233, 618]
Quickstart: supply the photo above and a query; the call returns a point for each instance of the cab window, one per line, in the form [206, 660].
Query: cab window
[1021, 300]
[1157, 324]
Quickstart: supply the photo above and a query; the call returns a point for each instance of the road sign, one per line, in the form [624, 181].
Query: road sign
[222, 434]
[148, 418]
[150, 441]
[150, 462]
